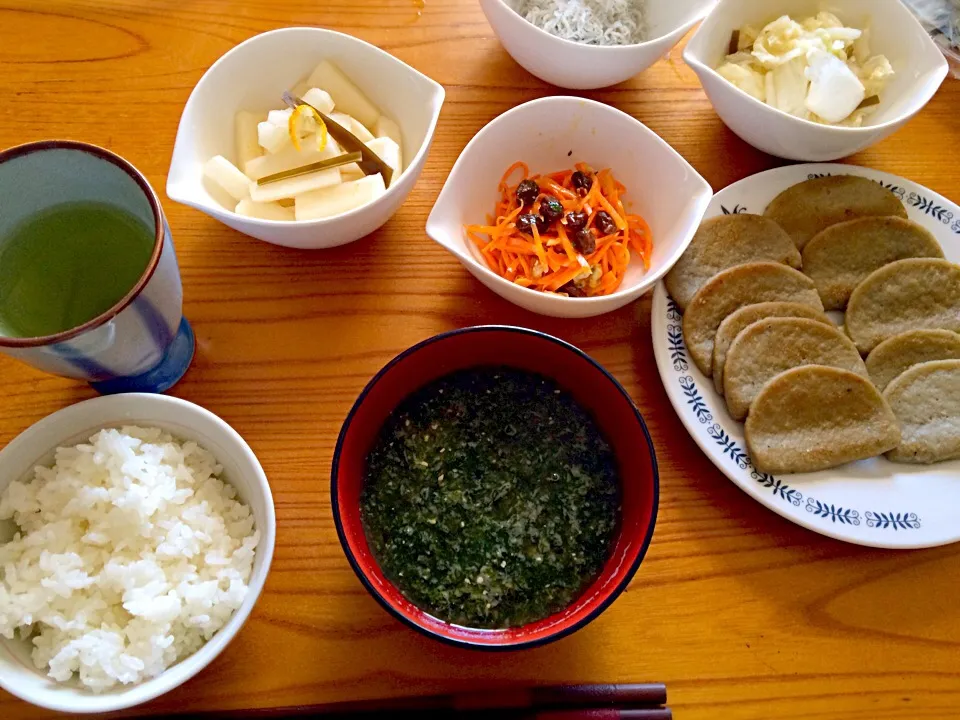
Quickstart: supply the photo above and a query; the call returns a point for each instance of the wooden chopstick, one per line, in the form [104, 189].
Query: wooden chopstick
[599, 695]
[605, 714]
[632, 701]
[564, 696]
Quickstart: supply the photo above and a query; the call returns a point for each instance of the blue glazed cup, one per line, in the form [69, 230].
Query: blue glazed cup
[141, 344]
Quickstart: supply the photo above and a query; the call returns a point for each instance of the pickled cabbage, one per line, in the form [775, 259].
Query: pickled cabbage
[816, 69]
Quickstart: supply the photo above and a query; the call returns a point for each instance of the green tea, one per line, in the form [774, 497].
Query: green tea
[68, 264]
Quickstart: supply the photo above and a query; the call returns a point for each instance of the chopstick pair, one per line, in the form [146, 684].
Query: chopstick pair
[563, 702]
[559, 697]
[661, 713]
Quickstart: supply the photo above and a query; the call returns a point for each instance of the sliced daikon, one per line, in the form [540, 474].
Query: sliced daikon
[351, 172]
[245, 130]
[385, 127]
[292, 187]
[280, 118]
[343, 120]
[388, 151]
[272, 138]
[290, 158]
[352, 125]
[339, 199]
[360, 130]
[225, 174]
[320, 99]
[264, 211]
[347, 96]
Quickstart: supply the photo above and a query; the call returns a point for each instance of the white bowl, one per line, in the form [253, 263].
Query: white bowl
[584, 67]
[552, 134]
[252, 76]
[920, 68]
[185, 421]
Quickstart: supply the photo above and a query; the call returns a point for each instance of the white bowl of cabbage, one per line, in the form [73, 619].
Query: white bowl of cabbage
[813, 81]
[136, 534]
[237, 135]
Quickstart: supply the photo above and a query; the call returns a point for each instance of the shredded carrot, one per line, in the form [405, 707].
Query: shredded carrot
[567, 245]
[519, 165]
[559, 189]
[538, 246]
[618, 221]
[550, 261]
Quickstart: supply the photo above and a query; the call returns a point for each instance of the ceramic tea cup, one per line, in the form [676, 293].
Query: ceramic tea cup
[89, 284]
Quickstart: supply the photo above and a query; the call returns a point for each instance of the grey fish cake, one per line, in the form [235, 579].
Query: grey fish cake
[774, 345]
[723, 242]
[740, 319]
[814, 418]
[913, 294]
[926, 401]
[842, 256]
[812, 206]
[733, 289]
[901, 352]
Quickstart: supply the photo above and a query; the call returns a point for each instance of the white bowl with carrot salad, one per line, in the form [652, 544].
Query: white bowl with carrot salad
[568, 207]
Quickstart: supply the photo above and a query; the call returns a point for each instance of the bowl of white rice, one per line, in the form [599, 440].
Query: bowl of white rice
[136, 533]
[588, 44]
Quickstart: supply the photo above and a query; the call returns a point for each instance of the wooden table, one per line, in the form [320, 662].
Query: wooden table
[741, 613]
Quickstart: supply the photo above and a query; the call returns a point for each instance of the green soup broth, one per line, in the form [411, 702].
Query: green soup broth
[491, 498]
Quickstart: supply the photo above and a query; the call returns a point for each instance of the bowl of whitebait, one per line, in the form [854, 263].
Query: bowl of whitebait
[806, 84]
[582, 45]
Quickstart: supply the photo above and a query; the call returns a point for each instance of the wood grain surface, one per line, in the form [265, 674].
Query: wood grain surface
[741, 613]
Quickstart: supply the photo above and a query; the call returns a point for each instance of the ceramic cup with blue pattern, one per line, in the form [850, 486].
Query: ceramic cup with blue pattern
[140, 344]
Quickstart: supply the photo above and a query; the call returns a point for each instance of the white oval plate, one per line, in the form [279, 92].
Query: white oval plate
[874, 502]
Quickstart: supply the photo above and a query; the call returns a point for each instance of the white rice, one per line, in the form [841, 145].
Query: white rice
[131, 553]
[592, 22]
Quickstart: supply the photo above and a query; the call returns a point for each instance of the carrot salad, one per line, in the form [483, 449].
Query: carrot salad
[565, 232]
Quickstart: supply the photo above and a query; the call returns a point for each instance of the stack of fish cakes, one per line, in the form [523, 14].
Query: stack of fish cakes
[754, 291]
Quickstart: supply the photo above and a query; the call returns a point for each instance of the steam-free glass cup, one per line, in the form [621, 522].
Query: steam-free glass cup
[140, 344]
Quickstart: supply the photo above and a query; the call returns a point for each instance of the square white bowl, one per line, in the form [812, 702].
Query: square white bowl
[551, 134]
[185, 421]
[577, 66]
[919, 66]
[252, 76]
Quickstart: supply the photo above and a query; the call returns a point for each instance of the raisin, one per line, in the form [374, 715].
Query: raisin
[605, 223]
[576, 220]
[585, 241]
[527, 192]
[550, 209]
[582, 183]
[572, 290]
[525, 223]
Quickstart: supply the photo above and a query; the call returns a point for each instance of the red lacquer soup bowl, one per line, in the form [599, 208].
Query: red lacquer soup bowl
[589, 384]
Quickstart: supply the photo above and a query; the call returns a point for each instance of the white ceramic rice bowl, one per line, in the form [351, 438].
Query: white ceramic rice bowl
[185, 421]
